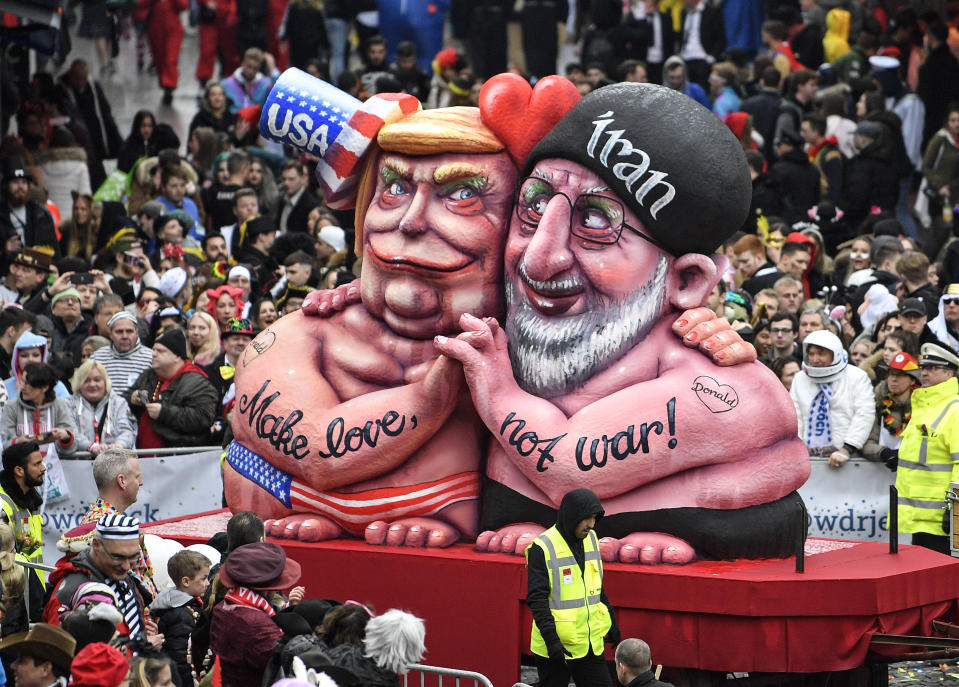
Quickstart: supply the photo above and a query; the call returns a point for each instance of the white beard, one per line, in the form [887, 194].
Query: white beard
[554, 355]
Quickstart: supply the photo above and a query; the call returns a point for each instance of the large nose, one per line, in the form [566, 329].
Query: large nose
[415, 218]
[548, 253]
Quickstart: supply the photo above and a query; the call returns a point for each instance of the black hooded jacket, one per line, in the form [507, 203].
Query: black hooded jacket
[576, 506]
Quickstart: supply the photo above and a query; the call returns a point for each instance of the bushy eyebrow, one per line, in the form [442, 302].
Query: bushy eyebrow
[455, 171]
[540, 174]
[395, 167]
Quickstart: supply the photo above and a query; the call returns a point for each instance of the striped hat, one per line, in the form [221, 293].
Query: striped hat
[118, 526]
[120, 316]
[319, 119]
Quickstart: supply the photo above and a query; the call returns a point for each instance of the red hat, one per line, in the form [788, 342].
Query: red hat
[905, 363]
[98, 665]
[250, 114]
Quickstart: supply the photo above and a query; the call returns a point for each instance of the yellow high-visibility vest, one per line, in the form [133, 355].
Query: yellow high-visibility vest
[928, 457]
[28, 530]
[582, 619]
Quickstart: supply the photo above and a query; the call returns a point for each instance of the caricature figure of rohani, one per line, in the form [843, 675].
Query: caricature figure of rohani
[351, 424]
[588, 387]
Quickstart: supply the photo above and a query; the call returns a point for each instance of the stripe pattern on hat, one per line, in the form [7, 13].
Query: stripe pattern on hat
[118, 526]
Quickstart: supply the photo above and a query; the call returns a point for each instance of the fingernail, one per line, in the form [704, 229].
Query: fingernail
[709, 345]
[472, 317]
[692, 336]
[721, 355]
[441, 339]
[478, 333]
[322, 307]
[682, 322]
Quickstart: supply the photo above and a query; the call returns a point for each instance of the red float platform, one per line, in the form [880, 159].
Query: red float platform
[742, 616]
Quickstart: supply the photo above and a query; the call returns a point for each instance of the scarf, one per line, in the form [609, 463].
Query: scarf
[818, 427]
[243, 596]
[814, 150]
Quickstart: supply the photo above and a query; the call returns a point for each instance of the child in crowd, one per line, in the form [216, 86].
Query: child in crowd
[177, 610]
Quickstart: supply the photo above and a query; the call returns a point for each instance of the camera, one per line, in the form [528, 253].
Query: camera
[81, 278]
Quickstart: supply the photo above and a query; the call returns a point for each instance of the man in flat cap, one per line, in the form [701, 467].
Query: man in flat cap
[929, 443]
[617, 211]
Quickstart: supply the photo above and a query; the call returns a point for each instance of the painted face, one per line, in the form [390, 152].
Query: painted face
[748, 262]
[599, 299]
[795, 264]
[95, 387]
[859, 255]
[433, 239]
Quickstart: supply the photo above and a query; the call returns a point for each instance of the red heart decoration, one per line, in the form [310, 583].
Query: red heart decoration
[519, 115]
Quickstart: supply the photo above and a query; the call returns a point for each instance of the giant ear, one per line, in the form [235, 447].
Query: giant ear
[690, 279]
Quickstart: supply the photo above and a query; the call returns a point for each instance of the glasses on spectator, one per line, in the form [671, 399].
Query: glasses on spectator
[776, 241]
[119, 557]
[781, 330]
[858, 256]
[593, 217]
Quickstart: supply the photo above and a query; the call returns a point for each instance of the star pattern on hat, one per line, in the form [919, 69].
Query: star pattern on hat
[255, 468]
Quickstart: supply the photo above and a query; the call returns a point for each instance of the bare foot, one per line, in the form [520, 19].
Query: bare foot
[647, 548]
[306, 527]
[511, 539]
[413, 532]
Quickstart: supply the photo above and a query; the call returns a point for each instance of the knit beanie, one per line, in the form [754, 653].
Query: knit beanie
[175, 341]
[669, 159]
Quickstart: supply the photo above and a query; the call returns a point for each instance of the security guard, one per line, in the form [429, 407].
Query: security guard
[929, 444]
[571, 614]
[20, 498]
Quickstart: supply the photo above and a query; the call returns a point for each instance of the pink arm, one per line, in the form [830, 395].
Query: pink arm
[691, 415]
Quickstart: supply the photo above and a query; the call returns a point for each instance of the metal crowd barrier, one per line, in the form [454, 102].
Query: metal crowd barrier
[478, 678]
[153, 452]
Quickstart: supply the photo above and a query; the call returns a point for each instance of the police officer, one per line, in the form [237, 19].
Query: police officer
[929, 443]
[20, 498]
[571, 614]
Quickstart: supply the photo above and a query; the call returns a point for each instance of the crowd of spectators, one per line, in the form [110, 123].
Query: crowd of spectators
[129, 296]
[229, 612]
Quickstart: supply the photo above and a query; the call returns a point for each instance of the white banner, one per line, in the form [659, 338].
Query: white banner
[172, 486]
[851, 502]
